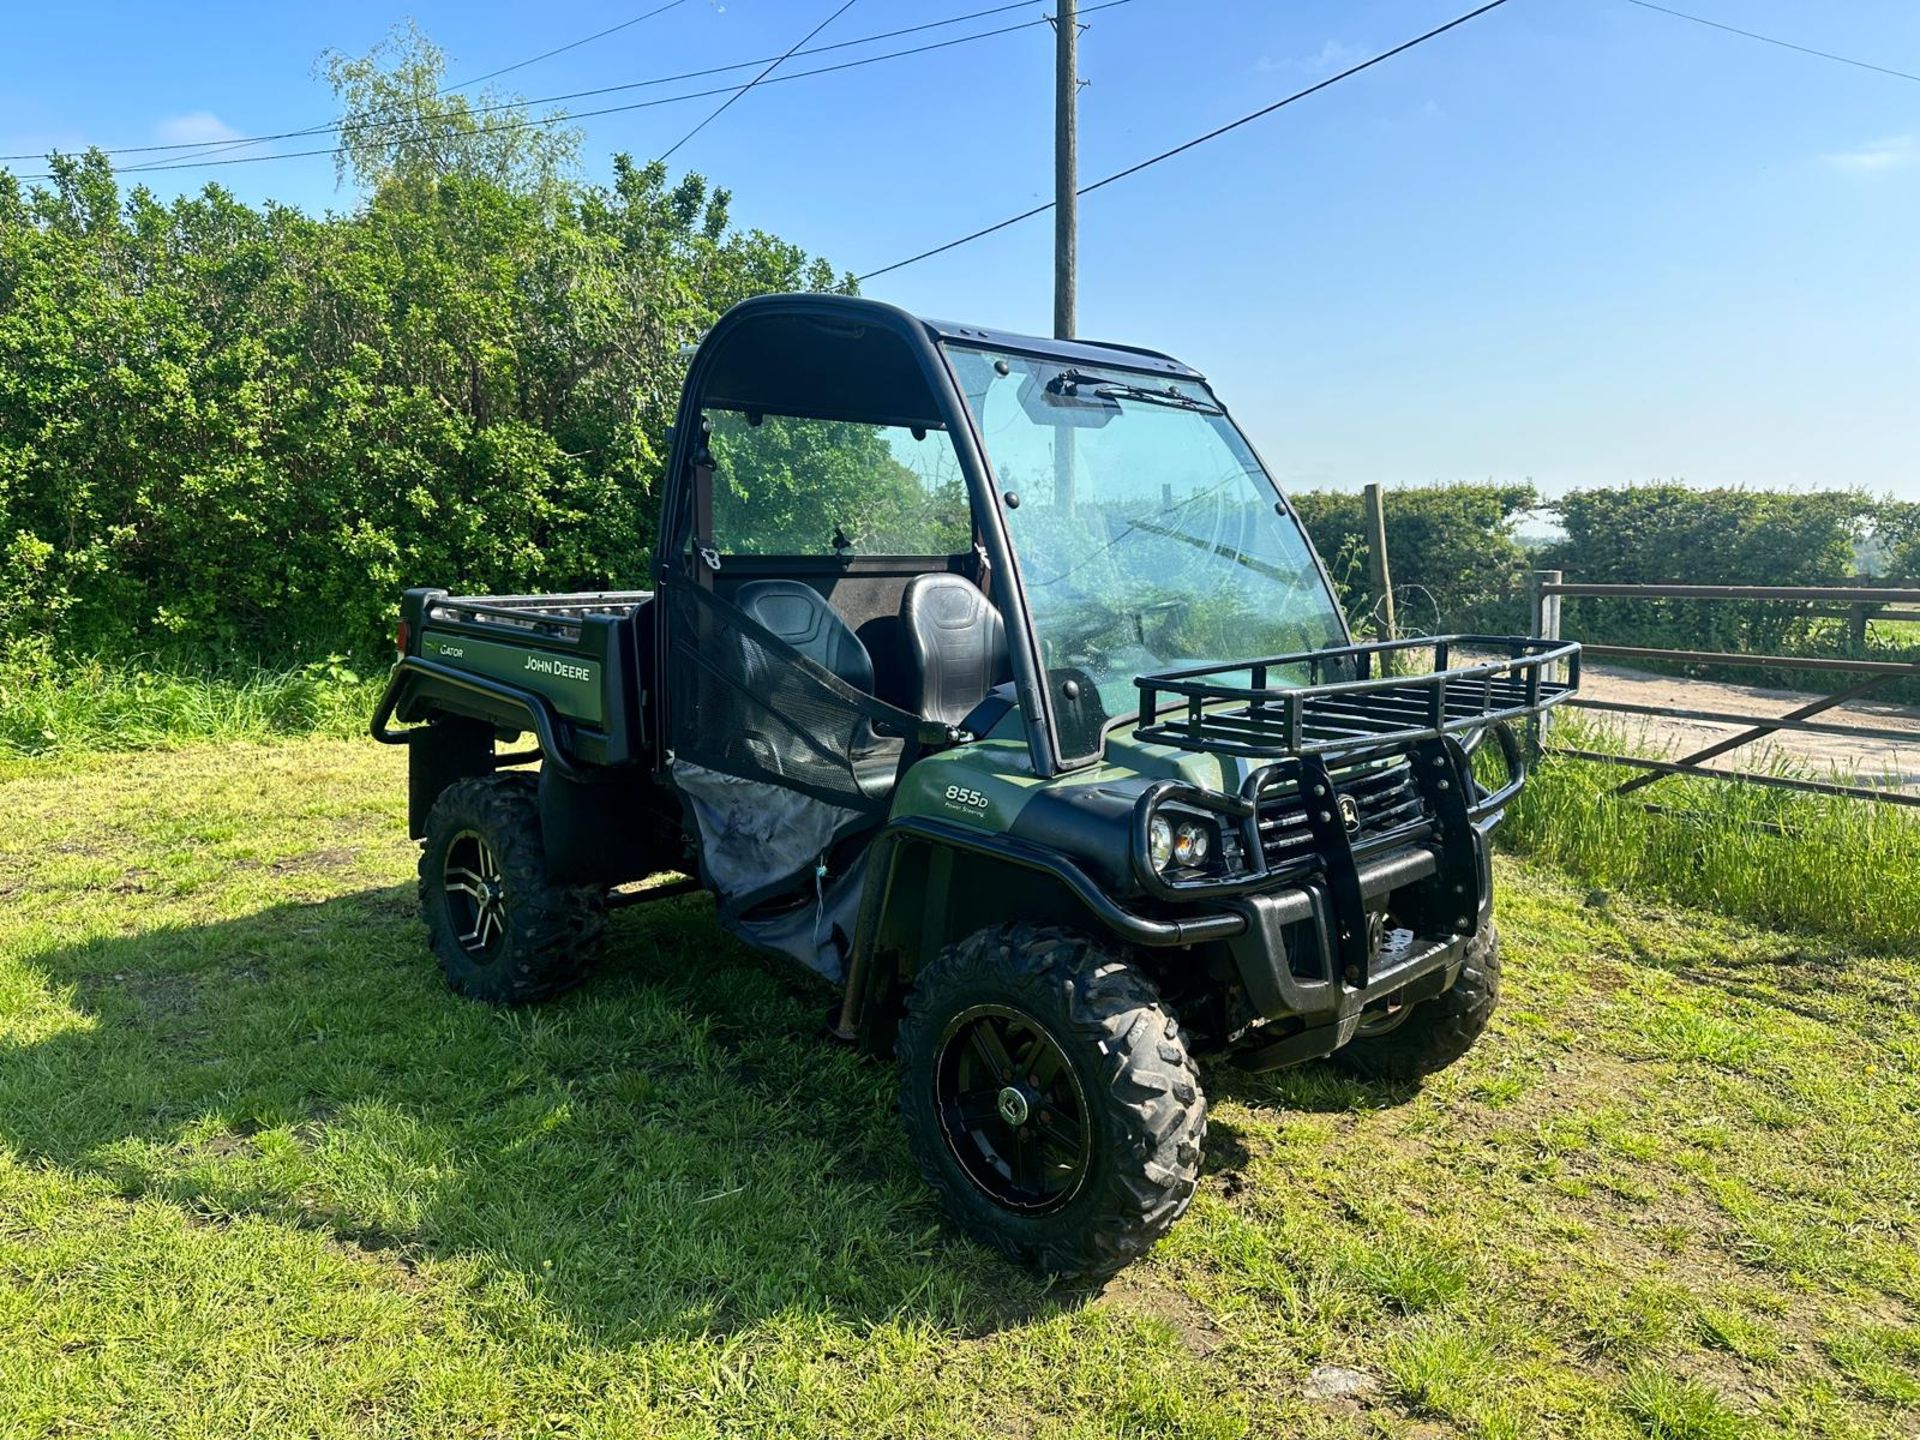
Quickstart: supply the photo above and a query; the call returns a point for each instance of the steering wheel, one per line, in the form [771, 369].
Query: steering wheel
[1068, 637]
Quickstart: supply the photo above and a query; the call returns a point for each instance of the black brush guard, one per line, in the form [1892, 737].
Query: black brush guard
[1359, 769]
[1352, 717]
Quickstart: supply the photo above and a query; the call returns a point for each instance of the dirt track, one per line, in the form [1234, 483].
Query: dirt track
[1870, 761]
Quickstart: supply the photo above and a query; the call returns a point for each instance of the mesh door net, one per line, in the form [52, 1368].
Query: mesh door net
[746, 703]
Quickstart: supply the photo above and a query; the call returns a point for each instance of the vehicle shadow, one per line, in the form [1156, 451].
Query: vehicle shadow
[1317, 1087]
[673, 1149]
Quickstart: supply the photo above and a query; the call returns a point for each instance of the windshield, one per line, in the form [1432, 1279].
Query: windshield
[1148, 536]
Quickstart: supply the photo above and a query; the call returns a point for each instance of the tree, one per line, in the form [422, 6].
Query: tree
[1456, 562]
[400, 125]
[1896, 535]
[234, 432]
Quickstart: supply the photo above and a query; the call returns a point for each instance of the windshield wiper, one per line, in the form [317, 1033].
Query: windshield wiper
[1070, 382]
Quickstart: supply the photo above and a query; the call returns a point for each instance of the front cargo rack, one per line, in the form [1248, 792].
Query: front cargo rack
[1270, 713]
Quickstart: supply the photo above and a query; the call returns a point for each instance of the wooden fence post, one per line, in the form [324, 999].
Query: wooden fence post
[1546, 626]
[1379, 578]
[1546, 608]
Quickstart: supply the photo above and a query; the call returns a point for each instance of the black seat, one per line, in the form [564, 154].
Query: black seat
[957, 644]
[800, 615]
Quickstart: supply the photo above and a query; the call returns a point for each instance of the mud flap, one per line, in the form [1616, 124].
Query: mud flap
[438, 755]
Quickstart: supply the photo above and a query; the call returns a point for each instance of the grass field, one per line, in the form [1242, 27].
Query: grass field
[53, 706]
[260, 1174]
[1816, 864]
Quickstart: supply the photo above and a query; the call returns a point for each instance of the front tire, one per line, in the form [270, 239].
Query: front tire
[1049, 1099]
[502, 931]
[1436, 1032]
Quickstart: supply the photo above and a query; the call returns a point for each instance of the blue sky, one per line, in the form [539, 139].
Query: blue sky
[1575, 240]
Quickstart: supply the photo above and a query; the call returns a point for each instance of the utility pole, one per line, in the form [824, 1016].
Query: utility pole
[1066, 163]
[1066, 170]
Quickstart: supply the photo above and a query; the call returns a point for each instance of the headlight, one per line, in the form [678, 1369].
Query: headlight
[1178, 843]
[1160, 842]
[1190, 844]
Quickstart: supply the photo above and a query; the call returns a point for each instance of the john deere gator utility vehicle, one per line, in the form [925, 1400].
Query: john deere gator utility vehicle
[993, 680]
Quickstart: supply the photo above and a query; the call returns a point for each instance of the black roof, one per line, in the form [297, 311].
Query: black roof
[853, 309]
[843, 357]
[1080, 352]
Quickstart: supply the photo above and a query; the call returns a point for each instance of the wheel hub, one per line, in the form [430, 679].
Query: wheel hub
[476, 894]
[1011, 1108]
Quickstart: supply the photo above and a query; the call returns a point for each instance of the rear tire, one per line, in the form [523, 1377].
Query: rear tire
[1105, 1153]
[1436, 1032]
[502, 931]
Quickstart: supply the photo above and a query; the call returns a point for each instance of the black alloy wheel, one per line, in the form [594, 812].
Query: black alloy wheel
[476, 894]
[1049, 1098]
[1012, 1109]
[501, 928]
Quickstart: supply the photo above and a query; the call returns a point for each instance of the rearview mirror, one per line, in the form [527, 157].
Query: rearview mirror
[1083, 411]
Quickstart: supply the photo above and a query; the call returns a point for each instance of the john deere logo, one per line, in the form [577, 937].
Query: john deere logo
[1349, 813]
[1012, 1106]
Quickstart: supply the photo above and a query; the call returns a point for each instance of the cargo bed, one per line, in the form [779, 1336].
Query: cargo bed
[566, 667]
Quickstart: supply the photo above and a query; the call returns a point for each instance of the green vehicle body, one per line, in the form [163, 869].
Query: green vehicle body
[572, 685]
[1042, 738]
[587, 675]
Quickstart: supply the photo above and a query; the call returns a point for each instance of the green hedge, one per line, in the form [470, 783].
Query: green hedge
[235, 433]
[1456, 564]
[1654, 534]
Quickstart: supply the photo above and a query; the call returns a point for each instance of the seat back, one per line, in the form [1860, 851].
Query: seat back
[957, 645]
[800, 615]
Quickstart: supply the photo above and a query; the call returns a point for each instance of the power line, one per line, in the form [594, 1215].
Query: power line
[223, 147]
[1214, 134]
[533, 121]
[630, 84]
[215, 147]
[608, 89]
[562, 49]
[1770, 40]
[609, 110]
[721, 108]
[514, 104]
[244, 141]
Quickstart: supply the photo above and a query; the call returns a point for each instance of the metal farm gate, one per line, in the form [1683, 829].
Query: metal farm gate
[1857, 604]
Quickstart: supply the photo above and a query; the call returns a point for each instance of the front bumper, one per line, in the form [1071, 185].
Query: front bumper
[1316, 948]
[1289, 956]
